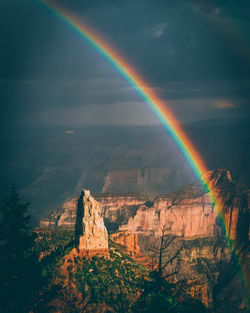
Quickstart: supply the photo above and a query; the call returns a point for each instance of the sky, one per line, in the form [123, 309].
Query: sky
[195, 54]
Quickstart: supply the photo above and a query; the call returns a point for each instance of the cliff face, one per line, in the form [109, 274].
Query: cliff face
[234, 204]
[189, 218]
[115, 209]
[127, 241]
[143, 179]
[188, 213]
[63, 217]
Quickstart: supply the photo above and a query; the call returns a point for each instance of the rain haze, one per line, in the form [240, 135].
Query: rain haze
[69, 119]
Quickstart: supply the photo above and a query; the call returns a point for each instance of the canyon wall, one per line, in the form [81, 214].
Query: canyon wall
[189, 218]
[189, 213]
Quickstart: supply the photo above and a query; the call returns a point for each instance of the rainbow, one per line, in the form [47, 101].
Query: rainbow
[148, 95]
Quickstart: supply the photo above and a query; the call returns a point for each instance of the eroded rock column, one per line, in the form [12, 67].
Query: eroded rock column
[91, 233]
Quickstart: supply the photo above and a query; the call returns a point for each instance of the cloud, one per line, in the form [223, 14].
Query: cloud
[208, 9]
[158, 30]
[223, 104]
[69, 131]
[120, 113]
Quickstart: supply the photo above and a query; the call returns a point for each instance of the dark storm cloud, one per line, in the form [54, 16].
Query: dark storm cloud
[192, 52]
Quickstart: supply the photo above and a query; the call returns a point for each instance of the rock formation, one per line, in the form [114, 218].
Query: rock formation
[189, 218]
[90, 231]
[188, 213]
[129, 243]
[127, 240]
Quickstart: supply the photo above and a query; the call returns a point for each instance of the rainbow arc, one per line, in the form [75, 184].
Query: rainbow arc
[158, 107]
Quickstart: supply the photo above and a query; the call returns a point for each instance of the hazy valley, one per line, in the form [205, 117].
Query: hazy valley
[52, 166]
[146, 196]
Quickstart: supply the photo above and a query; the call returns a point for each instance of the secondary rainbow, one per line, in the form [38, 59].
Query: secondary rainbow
[157, 106]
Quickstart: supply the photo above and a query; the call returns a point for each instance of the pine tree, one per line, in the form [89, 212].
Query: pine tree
[19, 269]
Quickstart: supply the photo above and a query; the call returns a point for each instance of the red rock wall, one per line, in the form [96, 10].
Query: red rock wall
[127, 240]
[189, 218]
[188, 213]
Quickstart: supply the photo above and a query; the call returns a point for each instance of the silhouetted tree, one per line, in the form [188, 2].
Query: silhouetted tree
[157, 294]
[19, 270]
[167, 253]
[227, 286]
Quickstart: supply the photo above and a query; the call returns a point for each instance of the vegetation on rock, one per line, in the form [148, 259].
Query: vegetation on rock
[44, 272]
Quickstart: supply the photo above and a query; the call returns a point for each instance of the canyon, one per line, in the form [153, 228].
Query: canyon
[118, 160]
[189, 213]
[191, 217]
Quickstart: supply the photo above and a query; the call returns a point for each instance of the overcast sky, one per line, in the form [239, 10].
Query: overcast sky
[195, 54]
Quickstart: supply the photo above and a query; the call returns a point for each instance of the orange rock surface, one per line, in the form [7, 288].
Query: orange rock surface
[90, 230]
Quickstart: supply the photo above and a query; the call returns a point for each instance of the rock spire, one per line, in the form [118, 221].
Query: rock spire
[90, 231]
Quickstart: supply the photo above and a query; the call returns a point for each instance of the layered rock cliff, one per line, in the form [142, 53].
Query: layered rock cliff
[116, 210]
[188, 218]
[189, 213]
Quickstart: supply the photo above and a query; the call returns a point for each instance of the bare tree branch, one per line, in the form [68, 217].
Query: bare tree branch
[165, 253]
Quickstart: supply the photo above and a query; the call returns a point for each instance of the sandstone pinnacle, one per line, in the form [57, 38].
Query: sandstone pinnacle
[91, 233]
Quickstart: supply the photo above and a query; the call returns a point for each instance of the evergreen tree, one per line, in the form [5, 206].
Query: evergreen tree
[19, 270]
